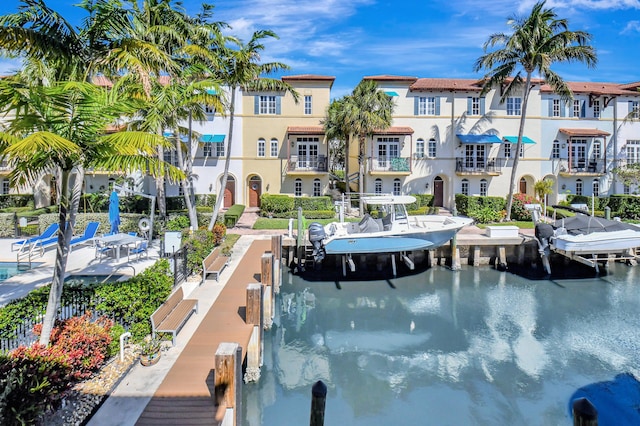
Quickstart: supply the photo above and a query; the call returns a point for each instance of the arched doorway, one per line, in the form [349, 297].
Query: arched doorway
[230, 192]
[523, 186]
[255, 190]
[438, 192]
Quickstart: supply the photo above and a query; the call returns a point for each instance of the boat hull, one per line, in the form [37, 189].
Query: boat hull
[598, 242]
[387, 243]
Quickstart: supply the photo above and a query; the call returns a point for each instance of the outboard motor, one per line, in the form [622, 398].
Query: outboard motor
[543, 233]
[316, 235]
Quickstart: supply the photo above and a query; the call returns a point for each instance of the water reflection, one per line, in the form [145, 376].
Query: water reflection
[470, 347]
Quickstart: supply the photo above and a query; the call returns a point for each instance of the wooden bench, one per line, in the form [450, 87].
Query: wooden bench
[214, 263]
[173, 314]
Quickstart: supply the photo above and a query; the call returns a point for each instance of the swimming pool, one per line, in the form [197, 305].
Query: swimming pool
[11, 269]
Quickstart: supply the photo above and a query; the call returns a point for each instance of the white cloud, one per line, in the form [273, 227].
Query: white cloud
[9, 66]
[631, 27]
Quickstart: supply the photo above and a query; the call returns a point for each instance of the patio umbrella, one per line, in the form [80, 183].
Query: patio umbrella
[114, 212]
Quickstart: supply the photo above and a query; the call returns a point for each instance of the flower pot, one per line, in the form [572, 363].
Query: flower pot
[148, 360]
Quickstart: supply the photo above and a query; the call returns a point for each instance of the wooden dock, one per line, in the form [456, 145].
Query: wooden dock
[186, 396]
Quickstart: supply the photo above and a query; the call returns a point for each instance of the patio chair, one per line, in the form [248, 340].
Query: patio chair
[87, 237]
[138, 251]
[48, 233]
[102, 249]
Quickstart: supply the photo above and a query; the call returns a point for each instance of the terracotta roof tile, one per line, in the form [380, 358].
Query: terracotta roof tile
[584, 132]
[592, 87]
[395, 130]
[457, 84]
[309, 77]
[305, 130]
[101, 80]
[387, 77]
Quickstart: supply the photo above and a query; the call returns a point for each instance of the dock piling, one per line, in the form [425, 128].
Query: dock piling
[584, 413]
[228, 389]
[266, 278]
[318, 402]
[254, 317]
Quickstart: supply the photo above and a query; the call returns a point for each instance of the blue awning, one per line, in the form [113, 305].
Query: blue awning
[514, 139]
[211, 92]
[479, 139]
[167, 134]
[390, 93]
[212, 138]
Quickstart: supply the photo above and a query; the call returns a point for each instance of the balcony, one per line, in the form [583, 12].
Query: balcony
[581, 167]
[306, 164]
[479, 166]
[390, 165]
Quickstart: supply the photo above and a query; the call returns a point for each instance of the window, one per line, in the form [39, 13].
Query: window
[397, 187]
[474, 156]
[634, 109]
[206, 150]
[432, 148]
[267, 105]
[578, 153]
[507, 150]
[556, 108]
[274, 148]
[297, 190]
[596, 109]
[378, 186]
[465, 187]
[5, 186]
[577, 108]
[633, 151]
[388, 148]
[219, 149]
[307, 105]
[317, 188]
[626, 189]
[180, 191]
[597, 150]
[209, 110]
[555, 151]
[514, 106]
[427, 105]
[579, 187]
[596, 188]
[475, 106]
[483, 187]
[307, 152]
[420, 148]
[261, 147]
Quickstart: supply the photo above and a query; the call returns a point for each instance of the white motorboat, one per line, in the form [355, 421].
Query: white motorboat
[393, 231]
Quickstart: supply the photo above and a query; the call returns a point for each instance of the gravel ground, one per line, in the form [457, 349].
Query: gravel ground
[85, 397]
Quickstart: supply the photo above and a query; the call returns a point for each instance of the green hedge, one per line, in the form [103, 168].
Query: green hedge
[16, 200]
[232, 215]
[285, 206]
[276, 204]
[623, 206]
[465, 203]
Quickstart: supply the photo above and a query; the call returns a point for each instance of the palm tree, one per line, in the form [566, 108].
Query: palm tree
[335, 127]
[60, 130]
[240, 67]
[537, 42]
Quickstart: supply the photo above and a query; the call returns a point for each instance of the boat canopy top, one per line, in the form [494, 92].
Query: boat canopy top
[583, 224]
[388, 199]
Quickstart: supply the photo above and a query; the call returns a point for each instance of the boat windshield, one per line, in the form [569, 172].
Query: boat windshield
[400, 212]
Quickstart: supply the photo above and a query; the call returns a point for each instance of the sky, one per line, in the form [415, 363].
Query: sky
[351, 39]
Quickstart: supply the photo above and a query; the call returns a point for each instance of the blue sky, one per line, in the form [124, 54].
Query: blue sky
[349, 39]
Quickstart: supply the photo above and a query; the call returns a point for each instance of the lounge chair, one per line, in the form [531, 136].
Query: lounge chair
[48, 233]
[87, 237]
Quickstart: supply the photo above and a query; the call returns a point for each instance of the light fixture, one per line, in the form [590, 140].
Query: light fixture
[564, 186]
[426, 185]
[563, 146]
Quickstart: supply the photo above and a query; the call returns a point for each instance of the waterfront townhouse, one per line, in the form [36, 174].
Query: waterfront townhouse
[284, 146]
[447, 138]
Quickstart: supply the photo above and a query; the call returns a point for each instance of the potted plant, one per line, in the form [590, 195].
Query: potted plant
[150, 351]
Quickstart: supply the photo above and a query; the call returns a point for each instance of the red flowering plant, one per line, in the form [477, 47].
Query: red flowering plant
[518, 211]
[84, 343]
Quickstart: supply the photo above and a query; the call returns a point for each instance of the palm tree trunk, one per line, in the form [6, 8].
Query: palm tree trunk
[184, 164]
[361, 173]
[160, 192]
[516, 160]
[225, 175]
[67, 214]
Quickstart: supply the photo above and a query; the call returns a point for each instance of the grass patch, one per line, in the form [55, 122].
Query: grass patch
[228, 243]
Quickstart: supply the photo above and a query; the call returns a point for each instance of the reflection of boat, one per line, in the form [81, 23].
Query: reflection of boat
[586, 238]
[393, 231]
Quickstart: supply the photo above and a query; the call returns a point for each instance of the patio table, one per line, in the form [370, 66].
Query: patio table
[118, 240]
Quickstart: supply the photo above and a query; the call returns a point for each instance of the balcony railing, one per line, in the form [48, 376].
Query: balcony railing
[390, 164]
[308, 163]
[582, 165]
[479, 165]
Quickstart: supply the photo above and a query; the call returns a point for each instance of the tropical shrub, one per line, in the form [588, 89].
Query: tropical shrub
[198, 245]
[518, 211]
[485, 214]
[177, 223]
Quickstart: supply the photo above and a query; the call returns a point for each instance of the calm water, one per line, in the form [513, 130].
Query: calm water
[475, 346]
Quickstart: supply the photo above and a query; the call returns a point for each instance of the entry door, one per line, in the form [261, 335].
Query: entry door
[254, 191]
[229, 193]
[438, 192]
[523, 186]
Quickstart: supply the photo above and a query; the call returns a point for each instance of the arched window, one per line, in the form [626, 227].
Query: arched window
[483, 187]
[273, 148]
[432, 148]
[596, 188]
[378, 188]
[579, 187]
[420, 148]
[298, 188]
[465, 187]
[397, 186]
[317, 188]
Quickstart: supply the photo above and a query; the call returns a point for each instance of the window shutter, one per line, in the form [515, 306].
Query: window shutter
[562, 108]
[416, 103]
[278, 105]
[256, 105]
[583, 109]
[469, 105]
[550, 107]
[437, 105]
[482, 106]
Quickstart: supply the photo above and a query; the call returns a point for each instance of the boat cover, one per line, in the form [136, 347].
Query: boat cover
[584, 224]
